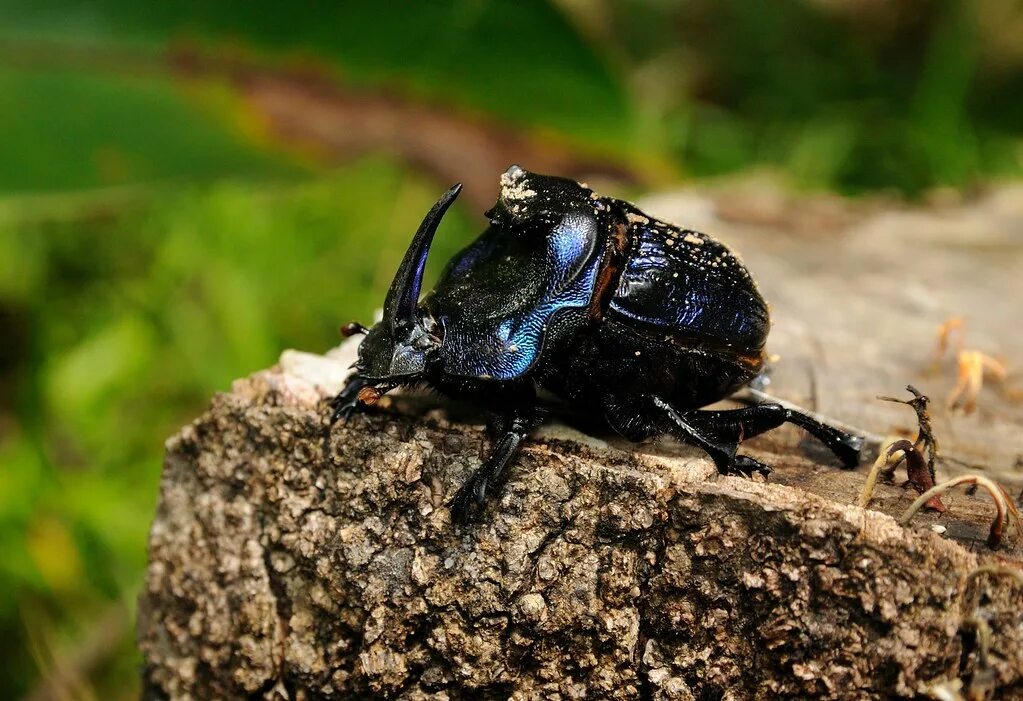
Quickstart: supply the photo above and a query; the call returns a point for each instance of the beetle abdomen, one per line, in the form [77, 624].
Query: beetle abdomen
[685, 284]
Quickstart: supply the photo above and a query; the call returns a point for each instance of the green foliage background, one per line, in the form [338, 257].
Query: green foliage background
[153, 246]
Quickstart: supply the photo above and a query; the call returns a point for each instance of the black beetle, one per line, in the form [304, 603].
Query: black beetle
[621, 316]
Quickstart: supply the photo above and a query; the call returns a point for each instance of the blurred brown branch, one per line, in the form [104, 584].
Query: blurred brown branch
[306, 108]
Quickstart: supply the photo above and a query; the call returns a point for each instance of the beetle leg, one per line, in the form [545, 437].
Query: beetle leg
[740, 424]
[625, 416]
[746, 466]
[347, 401]
[721, 452]
[497, 425]
[473, 493]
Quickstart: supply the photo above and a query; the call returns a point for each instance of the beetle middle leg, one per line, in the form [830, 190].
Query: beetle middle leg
[640, 417]
[721, 451]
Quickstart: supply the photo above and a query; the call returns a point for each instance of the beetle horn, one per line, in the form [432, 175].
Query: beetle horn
[400, 304]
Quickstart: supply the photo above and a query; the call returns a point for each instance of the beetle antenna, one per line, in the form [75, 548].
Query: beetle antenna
[402, 297]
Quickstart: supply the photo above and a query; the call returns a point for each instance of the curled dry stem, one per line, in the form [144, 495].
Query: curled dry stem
[916, 471]
[882, 464]
[1006, 509]
[982, 682]
[919, 455]
[991, 571]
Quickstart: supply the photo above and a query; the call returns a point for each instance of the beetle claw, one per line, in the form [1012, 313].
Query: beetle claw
[357, 393]
[468, 501]
[746, 466]
[344, 405]
[342, 411]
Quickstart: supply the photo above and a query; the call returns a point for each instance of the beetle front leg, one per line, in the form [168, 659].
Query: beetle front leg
[347, 401]
[471, 495]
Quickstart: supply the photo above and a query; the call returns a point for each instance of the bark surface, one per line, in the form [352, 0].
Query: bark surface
[286, 563]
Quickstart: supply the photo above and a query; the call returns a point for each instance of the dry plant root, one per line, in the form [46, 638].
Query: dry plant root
[1006, 508]
[973, 367]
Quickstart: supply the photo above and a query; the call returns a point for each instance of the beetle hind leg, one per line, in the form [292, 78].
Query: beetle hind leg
[740, 424]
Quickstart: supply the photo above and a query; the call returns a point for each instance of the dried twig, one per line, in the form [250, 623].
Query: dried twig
[919, 470]
[925, 440]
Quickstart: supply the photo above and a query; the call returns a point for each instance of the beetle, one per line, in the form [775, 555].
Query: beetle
[625, 318]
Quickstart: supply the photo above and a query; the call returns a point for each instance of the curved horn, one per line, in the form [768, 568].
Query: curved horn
[402, 297]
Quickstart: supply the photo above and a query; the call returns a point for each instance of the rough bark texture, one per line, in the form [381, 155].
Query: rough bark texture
[280, 569]
[289, 563]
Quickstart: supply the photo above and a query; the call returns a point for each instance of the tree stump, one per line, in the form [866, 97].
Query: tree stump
[292, 561]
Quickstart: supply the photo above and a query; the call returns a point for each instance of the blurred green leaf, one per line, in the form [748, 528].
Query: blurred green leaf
[108, 359]
[521, 61]
[140, 317]
[65, 129]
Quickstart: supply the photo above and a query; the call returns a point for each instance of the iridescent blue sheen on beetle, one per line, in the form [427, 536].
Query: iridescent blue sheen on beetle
[626, 319]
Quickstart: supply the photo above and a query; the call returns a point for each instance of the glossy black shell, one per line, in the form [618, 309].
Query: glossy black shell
[685, 282]
[597, 302]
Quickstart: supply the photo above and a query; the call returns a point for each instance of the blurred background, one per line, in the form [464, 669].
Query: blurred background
[189, 187]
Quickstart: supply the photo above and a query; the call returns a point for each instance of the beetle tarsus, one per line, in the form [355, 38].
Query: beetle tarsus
[347, 402]
[746, 466]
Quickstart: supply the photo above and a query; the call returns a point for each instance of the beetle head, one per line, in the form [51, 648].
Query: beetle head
[400, 346]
